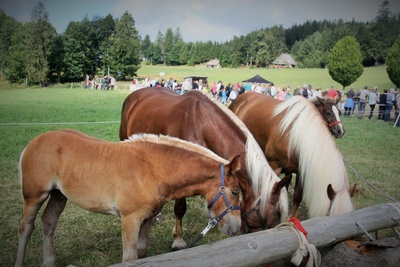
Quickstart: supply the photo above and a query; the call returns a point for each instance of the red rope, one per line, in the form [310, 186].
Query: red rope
[296, 222]
[299, 227]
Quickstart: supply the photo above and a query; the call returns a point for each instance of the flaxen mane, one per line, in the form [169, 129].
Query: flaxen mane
[176, 142]
[262, 175]
[320, 162]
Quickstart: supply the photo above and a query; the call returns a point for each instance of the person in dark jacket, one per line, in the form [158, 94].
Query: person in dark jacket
[382, 105]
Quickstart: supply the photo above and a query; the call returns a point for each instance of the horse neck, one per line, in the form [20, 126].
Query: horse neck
[190, 180]
[245, 184]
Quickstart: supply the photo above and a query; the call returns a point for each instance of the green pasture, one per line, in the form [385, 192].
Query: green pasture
[87, 239]
[371, 77]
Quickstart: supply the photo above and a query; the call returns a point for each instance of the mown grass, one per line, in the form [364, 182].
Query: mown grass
[376, 76]
[88, 239]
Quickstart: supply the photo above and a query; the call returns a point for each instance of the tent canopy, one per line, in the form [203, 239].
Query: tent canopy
[257, 79]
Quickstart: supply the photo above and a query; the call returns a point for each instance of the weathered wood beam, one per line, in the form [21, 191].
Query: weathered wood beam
[275, 244]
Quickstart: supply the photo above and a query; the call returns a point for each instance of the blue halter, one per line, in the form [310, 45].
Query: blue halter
[229, 208]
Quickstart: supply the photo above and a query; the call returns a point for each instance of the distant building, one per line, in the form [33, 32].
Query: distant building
[284, 60]
[214, 63]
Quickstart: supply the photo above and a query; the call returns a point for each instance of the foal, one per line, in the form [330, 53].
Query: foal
[131, 179]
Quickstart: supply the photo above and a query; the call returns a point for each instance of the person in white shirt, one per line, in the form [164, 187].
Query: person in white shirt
[273, 90]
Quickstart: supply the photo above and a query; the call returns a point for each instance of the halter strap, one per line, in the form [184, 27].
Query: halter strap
[331, 124]
[256, 209]
[211, 223]
[334, 123]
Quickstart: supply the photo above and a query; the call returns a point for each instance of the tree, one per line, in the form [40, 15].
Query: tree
[125, 49]
[178, 54]
[177, 35]
[56, 62]
[38, 44]
[73, 59]
[345, 61]
[168, 44]
[104, 29]
[16, 70]
[393, 63]
[383, 33]
[159, 42]
[144, 46]
[8, 26]
[154, 54]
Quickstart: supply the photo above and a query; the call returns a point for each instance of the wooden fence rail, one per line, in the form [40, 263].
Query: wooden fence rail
[259, 248]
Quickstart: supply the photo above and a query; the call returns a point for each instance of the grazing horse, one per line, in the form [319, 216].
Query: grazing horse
[295, 139]
[131, 179]
[198, 118]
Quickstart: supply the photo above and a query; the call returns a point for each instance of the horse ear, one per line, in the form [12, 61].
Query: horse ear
[282, 183]
[331, 192]
[321, 101]
[235, 164]
[352, 190]
[278, 171]
[339, 97]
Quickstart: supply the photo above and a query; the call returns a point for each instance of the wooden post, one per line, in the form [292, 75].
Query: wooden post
[267, 246]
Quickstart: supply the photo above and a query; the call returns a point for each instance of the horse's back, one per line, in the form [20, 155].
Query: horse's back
[192, 116]
[148, 98]
[257, 113]
[253, 104]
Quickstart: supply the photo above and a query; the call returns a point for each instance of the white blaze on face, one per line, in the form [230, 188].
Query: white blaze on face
[336, 112]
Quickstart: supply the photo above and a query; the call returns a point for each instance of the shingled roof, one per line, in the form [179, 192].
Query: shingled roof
[284, 60]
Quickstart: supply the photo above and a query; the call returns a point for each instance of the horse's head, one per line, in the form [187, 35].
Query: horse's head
[340, 202]
[223, 201]
[331, 114]
[258, 218]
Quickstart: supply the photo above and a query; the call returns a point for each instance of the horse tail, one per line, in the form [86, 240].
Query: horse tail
[20, 168]
[127, 107]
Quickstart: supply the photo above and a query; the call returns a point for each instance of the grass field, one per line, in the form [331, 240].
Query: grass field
[280, 77]
[87, 239]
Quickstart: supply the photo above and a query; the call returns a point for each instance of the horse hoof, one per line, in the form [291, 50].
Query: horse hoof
[178, 245]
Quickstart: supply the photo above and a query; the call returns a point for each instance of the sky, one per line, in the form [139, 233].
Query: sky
[201, 20]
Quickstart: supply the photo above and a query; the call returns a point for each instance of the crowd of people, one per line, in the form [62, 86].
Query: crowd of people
[383, 102]
[101, 82]
[386, 102]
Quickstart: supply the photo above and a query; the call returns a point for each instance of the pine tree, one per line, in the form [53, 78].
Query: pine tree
[393, 63]
[38, 44]
[345, 61]
[125, 49]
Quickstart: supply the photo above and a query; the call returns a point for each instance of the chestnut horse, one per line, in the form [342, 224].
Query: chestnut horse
[131, 179]
[295, 139]
[198, 118]
[331, 114]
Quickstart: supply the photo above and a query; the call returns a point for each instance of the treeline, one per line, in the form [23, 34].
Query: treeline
[34, 53]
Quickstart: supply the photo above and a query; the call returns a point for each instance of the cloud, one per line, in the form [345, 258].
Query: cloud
[201, 20]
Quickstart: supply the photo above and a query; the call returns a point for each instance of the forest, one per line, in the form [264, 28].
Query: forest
[34, 53]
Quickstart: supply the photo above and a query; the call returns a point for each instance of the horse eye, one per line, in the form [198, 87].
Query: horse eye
[235, 193]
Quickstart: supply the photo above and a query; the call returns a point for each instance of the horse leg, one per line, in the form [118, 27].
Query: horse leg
[297, 197]
[130, 227]
[179, 210]
[143, 237]
[27, 225]
[50, 216]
